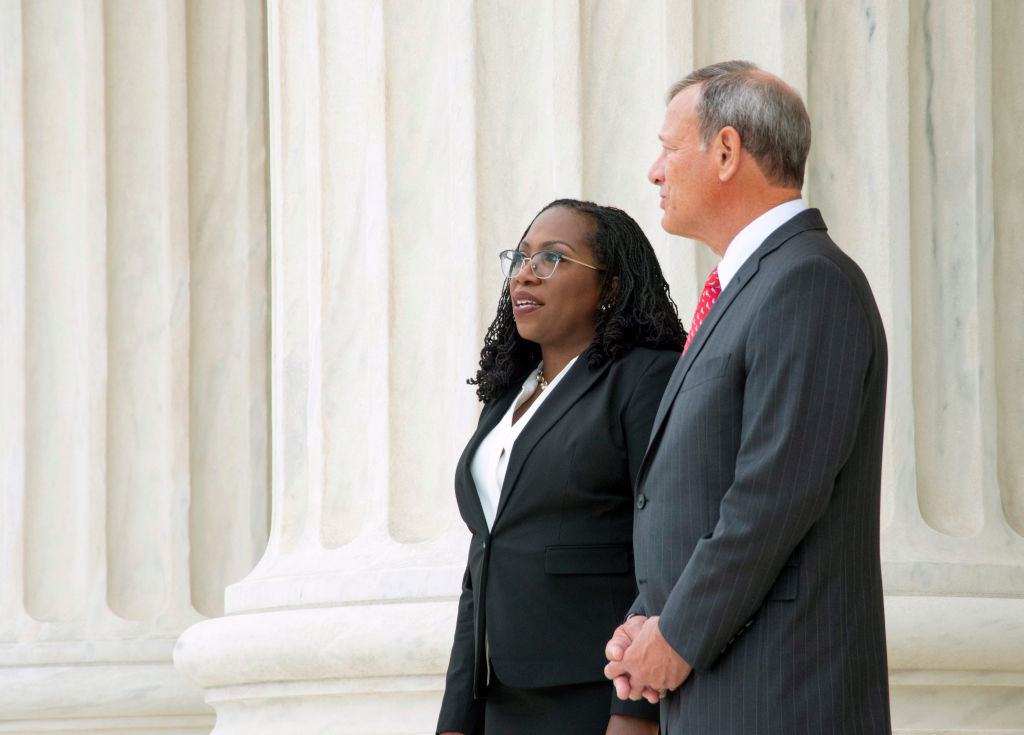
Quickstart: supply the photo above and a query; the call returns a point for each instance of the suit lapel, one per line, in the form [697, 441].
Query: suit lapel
[806, 220]
[569, 390]
[465, 486]
[725, 299]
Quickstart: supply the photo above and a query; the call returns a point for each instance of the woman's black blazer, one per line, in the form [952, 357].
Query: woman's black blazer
[554, 576]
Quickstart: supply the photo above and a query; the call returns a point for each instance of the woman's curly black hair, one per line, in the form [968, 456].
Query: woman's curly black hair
[640, 312]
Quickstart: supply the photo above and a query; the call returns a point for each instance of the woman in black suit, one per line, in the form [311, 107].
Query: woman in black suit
[571, 374]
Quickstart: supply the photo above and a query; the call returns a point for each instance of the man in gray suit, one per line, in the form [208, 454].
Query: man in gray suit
[757, 505]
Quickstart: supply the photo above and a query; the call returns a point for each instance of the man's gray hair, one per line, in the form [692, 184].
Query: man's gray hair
[769, 116]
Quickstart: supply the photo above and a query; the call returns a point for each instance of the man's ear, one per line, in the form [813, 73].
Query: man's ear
[727, 147]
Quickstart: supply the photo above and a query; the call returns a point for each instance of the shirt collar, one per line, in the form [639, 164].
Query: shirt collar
[750, 237]
[530, 386]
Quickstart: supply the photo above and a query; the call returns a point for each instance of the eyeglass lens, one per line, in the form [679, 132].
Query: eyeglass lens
[543, 263]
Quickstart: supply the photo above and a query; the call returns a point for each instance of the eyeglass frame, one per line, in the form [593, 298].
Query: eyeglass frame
[524, 258]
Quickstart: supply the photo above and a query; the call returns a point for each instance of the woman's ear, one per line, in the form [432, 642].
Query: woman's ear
[613, 289]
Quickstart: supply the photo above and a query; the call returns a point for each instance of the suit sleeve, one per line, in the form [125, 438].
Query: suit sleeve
[459, 711]
[637, 608]
[807, 358]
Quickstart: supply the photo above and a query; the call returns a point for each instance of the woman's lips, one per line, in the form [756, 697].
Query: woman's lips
[524, 302]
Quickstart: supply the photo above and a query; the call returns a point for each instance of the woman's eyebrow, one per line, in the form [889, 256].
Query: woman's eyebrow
[546, 243]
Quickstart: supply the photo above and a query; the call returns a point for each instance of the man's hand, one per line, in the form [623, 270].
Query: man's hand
[628, 725]
[649, 666]
[623, 637]
[616, 648]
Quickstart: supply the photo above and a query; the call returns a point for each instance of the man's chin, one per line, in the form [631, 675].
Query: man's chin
[669, 226]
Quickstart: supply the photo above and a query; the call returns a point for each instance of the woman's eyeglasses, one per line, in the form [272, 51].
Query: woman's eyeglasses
[543, 262]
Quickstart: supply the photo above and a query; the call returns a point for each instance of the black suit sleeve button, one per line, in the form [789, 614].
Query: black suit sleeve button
[641, 501]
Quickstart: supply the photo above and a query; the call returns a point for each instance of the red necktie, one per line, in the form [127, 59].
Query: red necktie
[712, 288]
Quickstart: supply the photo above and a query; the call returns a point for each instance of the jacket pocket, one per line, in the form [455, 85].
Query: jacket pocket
[592, 559]
[787, 584]
[705, 370]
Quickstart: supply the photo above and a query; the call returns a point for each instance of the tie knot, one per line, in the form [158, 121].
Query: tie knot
[712, 287]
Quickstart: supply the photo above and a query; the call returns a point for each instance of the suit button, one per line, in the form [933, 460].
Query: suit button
[641, 501]
[483, 545]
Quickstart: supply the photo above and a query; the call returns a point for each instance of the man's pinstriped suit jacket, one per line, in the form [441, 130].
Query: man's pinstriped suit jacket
[757, 524]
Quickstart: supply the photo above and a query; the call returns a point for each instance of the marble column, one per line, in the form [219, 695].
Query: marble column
[108, 377]
[905, 165]
[344, 625]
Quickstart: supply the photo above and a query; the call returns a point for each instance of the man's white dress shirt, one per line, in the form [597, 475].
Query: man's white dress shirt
[750, 237]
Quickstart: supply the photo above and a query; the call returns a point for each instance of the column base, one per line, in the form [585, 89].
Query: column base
[357, 669]
[157, 725]
[127, 698]
[956, 664]
[386, 706]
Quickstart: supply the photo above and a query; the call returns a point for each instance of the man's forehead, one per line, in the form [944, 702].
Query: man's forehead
[684, 99]
[675, 118]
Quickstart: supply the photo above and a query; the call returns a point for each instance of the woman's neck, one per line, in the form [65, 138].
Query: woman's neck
[555, 360]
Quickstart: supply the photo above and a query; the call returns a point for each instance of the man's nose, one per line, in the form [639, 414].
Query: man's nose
[656, 173]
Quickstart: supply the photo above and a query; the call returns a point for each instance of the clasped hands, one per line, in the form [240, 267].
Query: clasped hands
[641, 663]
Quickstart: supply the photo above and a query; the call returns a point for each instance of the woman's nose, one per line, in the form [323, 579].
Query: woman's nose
[526, 274]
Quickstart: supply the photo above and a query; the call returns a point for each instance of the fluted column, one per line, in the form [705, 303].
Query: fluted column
[147, 300]
[67, 598]
[344, 624]
[904, 164]
[228, 320]
[64, 306]
[12, 310]
[100, 440]
[1008, 260]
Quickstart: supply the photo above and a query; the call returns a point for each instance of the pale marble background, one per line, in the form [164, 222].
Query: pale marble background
[247, 260]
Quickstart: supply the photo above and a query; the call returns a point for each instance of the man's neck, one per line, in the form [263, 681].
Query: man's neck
[745, 210]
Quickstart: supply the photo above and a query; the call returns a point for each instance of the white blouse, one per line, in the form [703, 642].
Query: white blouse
[491, 459]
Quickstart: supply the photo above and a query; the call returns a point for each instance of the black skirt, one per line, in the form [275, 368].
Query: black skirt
[573, 709]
